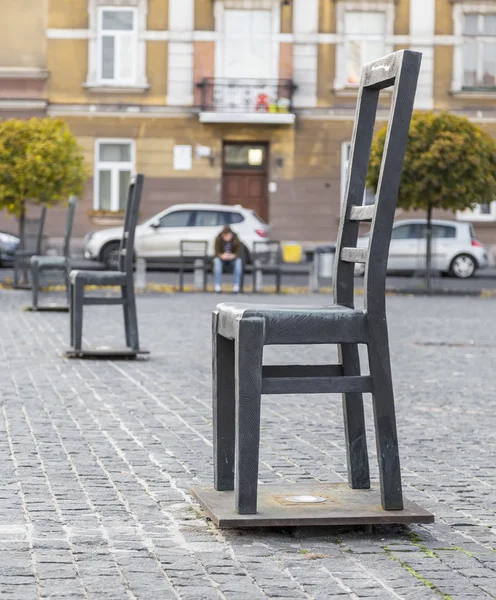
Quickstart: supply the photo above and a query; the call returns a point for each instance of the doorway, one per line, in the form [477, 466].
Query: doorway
[245, 176]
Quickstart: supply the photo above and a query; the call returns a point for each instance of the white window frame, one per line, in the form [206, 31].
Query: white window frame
[116, 35]
[94, 81]
[475, 214]
[345, 163]
[460, 9]
[340, 82]
[114, 167]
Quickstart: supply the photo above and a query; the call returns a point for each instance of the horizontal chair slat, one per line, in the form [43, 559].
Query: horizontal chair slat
[317, 385]
[273, 371]
[354, 255]
[362, 213]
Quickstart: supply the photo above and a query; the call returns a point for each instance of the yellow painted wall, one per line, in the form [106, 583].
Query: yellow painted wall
[60, 17]
[158, 14]
[327, 17]
[22, 33]
[204, 15]
[402, 17]
[444, 17]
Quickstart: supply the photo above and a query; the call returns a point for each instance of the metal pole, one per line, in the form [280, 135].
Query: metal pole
[258, 276]
[199, 275]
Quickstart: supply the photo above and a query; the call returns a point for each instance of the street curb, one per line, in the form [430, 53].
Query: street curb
[270, 290]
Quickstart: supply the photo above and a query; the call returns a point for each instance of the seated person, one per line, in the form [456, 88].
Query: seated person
[227, 252]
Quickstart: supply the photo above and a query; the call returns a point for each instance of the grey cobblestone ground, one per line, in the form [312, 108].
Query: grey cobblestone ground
[96, 459]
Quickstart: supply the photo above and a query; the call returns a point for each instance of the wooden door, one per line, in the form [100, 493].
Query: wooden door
[245, 177]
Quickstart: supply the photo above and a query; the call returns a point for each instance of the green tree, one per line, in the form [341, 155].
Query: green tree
[450, 164]
[41, 162]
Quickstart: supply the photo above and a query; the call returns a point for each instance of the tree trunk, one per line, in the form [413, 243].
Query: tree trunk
[428, 250]
[22, 245]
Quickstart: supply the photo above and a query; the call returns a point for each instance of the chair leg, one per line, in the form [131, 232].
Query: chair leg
[132, 320]
[35, 282]
[223, 399]
[78, 305]
[125, 308]
[248, 386]
[354, 423]
[71, 313]
[385, 419]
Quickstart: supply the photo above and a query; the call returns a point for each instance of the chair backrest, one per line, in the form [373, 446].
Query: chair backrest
[398, 70]
[133, 202]
[32, 235]
[269, 253]
[71, 211]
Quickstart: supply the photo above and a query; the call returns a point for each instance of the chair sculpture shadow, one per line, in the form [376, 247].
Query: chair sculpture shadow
[122, 278]
[31, 242]
[54, 263]
[240, 332]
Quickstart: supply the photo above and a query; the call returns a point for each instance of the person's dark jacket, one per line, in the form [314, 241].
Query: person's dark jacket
[220, 246]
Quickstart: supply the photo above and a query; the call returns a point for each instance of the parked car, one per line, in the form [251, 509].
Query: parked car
[158, 238]
[455, 249]
[8, 246]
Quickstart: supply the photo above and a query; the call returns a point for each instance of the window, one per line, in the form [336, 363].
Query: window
[240, 156]
[117, 41]
[443, 231]
[479, 50]
[209, 218]
[114, 165]
[233, 218]
[179, 218]
[403, 232]
[481, 212]
[369, 196]
[365, 31]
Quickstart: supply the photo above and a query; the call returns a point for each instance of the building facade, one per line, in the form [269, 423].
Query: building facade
[234, 101]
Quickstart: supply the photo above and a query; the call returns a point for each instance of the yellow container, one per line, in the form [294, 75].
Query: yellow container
[292, 252]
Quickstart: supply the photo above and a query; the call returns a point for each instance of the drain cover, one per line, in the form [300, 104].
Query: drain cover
[305, 499]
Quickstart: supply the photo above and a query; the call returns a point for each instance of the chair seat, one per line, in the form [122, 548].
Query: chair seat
[98, 277]
[50, 261]
[297, 324]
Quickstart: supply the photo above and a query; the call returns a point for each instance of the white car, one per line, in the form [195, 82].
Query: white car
[455, 249]
[159, 238]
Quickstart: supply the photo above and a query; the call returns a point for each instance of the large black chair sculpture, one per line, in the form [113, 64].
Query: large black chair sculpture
[123, 278]
[54, 263]
[240, 332]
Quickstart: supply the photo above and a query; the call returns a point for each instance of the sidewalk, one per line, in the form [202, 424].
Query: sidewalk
[96, 460]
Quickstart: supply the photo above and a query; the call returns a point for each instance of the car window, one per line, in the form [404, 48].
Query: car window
[208, 218]
[179, 218]
[232, 218]
[443, 231]
[401, 232]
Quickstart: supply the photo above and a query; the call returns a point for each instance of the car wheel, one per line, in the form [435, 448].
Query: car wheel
[463, 266]
[110, 255]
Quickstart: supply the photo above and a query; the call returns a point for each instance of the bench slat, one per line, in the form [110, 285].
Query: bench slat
[359, 384]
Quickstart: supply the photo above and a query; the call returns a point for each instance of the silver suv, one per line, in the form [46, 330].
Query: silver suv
[455, 249]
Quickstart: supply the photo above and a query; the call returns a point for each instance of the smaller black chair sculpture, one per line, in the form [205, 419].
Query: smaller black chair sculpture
[122, 278]
[31, 240]
[240, 332]
[39, 264]
[191, 251]
[267, 259]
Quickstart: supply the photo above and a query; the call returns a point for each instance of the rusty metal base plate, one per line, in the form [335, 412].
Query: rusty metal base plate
[47, 308]
[308, 504]
[106, 353]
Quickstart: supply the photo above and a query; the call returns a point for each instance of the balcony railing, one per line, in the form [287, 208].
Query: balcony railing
[247, 100]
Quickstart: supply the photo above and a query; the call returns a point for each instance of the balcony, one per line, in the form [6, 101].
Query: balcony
[252, 101]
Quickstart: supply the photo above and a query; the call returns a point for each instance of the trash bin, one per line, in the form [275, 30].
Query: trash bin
[324, 255]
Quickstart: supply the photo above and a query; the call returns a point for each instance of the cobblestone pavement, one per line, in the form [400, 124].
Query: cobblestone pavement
[96, 459]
